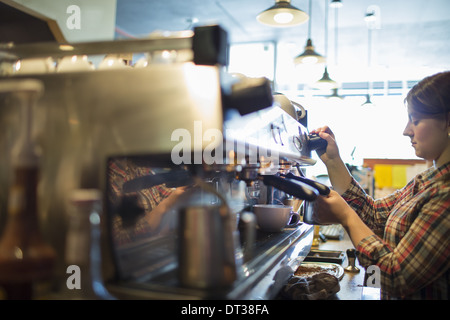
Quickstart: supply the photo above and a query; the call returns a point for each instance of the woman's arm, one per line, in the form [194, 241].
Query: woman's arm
[333, 209]
[338, 173]
[421, 256]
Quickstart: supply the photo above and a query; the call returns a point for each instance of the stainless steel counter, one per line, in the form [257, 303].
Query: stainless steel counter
[276, 257]
[352, 284]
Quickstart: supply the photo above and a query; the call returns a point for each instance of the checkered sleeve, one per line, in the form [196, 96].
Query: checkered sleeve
[421, 255]
[373, 213]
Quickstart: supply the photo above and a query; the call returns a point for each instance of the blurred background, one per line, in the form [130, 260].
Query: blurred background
[374, 50]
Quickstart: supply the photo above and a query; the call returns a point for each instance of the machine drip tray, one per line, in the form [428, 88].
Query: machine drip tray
[325, 256]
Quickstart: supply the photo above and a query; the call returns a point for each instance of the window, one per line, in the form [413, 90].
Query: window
[253, 59]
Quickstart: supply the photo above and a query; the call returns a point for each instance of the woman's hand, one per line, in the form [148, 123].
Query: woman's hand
[332, 209]
[338, 173]
[332, 150]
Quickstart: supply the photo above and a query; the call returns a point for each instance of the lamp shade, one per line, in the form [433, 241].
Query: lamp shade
[336, 4]
[309, 56]
[335, 95]
[282, 14]
[368, 101]
[326, 83]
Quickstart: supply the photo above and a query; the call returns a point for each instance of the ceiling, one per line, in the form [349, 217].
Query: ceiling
[410, 33]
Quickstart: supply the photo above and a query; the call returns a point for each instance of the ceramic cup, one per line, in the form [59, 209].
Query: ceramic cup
[142, 63]
[112, 61]
[74, 63]
[34, 66]
[274, 217]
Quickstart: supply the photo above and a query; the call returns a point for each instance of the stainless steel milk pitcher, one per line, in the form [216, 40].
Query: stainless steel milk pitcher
[206, 246]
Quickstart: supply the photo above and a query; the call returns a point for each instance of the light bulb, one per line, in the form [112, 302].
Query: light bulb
[309, 60]
[283, 17]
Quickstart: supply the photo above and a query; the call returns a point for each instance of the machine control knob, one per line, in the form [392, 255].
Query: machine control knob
[297, 143]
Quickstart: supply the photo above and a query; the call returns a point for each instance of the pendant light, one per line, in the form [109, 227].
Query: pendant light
[336, 4]
[282, 14]
[326, 83]
[335, 95]
[368, 101]
[309, 56]
[370, 19]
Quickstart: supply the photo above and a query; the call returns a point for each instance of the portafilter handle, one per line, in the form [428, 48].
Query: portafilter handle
[295, 188]
[323, 189]
[315, 142]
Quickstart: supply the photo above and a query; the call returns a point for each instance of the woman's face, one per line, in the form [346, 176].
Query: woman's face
[429, 136]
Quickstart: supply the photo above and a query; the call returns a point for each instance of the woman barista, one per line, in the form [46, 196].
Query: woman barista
[406, 234]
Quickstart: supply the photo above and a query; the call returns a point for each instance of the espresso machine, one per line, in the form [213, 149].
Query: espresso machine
[180, 151]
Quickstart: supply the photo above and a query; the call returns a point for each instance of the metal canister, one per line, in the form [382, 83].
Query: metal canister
[206, 254]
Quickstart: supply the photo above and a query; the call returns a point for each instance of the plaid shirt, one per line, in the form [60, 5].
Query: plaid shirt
[119, 172]
[411, 245]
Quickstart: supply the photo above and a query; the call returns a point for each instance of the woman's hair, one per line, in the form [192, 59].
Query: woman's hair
[431, 96]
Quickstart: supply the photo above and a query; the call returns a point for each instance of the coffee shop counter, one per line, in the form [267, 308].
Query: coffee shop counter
[352, 284]
[274, 258]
